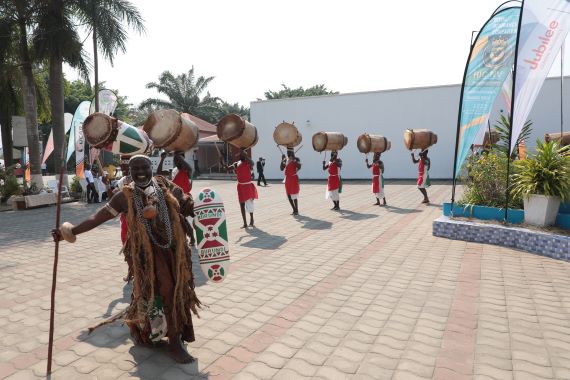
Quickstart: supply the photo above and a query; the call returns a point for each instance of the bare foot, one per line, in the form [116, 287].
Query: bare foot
[251, 225]
[425, 201]
[244, 226]
[179, 354]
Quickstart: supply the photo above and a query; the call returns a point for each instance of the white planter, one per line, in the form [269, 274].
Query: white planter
[541, 210]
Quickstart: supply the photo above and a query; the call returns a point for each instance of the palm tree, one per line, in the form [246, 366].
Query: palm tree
[10, 94]
[22, 17]
[57, 40]
[105, 20]
[183, 92]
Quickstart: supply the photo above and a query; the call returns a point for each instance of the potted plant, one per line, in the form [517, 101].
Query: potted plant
[543, 180]
[75, 188]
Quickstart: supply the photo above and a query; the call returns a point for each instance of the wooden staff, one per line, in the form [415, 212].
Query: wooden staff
[298, 149]
[55, 260]
[281, 150]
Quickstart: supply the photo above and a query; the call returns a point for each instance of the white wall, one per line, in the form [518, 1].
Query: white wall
[387, 113]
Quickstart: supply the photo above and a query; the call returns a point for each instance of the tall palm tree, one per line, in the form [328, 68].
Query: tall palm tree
[57, 40]
[22, 16]
[105, 20]
[10, 94]
[183, 92]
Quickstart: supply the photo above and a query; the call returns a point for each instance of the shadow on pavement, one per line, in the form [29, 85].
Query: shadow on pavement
[261, 239]
[312, 224]
[399, 210]
[126, 298]
[351, 215]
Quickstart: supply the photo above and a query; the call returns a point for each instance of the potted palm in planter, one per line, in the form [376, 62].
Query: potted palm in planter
[543, 180]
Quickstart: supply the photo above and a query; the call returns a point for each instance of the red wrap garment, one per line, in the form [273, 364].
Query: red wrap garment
[334, 179]
[291, 178]
[182, 180]
[245, 187]
[375, 178]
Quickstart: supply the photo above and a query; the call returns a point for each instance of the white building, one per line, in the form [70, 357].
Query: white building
[387, 113]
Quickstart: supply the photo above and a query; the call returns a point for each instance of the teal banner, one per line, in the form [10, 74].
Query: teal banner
[490, 63]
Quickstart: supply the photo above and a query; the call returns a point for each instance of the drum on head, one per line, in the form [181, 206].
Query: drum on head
[100, 130]
[169, 130]
[367, 143]
[329, 141]
[287, 134]
[237, 131]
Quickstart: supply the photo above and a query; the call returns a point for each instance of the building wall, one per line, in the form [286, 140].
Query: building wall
[386, 113]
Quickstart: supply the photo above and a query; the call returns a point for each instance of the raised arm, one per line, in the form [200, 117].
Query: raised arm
[414, 158]
[298, 162]
[368, 164]
[159, 170]
[325, 165]
[116, 205]
[283, 162]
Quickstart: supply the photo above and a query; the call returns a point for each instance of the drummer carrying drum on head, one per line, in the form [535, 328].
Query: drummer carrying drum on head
[377, 178]
[423, 173]
[290, 165]
[334, 185]
[247, 192]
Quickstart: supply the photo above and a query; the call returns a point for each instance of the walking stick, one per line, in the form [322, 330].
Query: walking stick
[54, 275]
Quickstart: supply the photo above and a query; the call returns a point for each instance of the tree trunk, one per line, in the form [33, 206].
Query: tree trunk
[7, 143]
[30, 103]
[57, 117]
[96, 67]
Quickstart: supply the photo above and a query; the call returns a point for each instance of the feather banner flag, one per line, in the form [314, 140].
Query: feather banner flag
[68, 118]
[490, 62]
[543, 29]
[76, 141]
[108, 102]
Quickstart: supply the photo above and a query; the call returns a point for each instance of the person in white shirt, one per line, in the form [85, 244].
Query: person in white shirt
[92, 194]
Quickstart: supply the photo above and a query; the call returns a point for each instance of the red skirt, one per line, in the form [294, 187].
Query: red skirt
[246, 192]
[376, 184]
[292, 185]
[334, 182]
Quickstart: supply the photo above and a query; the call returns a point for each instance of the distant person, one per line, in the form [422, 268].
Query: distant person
[423, 173]
[291, 165]
[92, 194]
[334, 183]
[377, 179]
[195, 159]
[260, 175]
[44, 169]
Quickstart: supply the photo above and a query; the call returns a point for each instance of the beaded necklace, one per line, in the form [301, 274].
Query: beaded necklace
[163, 215]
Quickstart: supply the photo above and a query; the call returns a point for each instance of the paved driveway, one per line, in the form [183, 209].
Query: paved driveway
[366, 293]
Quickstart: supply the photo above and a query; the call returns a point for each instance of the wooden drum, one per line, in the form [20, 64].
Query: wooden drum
[287, 134]
[372, 143]
[564, 140]
[171, 131]
[419, 138]
[329, 141]
[100, 130]
[237, 131]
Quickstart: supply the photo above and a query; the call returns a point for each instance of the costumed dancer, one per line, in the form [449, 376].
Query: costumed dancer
[423, 173]
[163, 297]
[377, 179]
[182, 177]
[291, 165]
[247, 192]
[334, 186]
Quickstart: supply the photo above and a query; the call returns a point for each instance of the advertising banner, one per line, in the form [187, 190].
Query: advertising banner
[490, 63]
[544, 26]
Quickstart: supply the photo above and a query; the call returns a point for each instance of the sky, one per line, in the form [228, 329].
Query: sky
[253, 46]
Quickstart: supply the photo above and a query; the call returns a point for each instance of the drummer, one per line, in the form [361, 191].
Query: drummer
[291, 165]
[423, 173]
[247, 192]
[377, 179]
[334, 185]
[182, 177]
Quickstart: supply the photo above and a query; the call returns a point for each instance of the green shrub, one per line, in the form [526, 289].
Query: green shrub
[75, 186]
[485, 181]
[9, 184]
[546, 172]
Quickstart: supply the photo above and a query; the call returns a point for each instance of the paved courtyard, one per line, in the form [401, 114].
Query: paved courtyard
[365, 293]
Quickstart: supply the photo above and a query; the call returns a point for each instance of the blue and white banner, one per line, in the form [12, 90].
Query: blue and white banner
[544, 26]
[490, 63]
